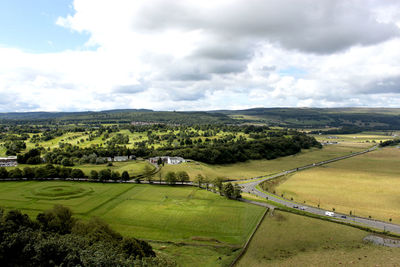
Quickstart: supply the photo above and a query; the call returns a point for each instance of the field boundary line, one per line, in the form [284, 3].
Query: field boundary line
[222, 245]
[105, 202]
[244, 249]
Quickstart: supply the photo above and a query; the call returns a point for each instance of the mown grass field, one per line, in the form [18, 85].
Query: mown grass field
[180, 214]
[367, 185]
[254, 168]
[291, 240]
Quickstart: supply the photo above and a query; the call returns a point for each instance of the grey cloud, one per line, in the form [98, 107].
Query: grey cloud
[198, 69]
[268, 68]
[224, 49]
[383, 86]
[129, 89]
[187, 95]
[185, 76]
[12, 103]
[307, 25]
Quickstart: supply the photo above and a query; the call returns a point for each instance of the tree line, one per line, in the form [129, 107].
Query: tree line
[216, 185]
[389, 143]
[51, 171]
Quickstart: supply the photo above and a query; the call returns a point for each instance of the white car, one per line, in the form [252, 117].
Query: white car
[329, 213]
[303, 208]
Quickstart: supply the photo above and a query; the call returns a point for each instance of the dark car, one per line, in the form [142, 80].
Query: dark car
[343, 216]
[295, 206]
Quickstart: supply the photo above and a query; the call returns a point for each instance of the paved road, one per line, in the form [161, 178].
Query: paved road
[250, 187]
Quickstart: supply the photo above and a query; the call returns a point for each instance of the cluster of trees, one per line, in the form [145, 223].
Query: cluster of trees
[227, 144]
[226, 189]
[232, 191]
[241, 150]
[118, 139]
[342, 130]
[389, 143]
[31, 157]
[174, 177]
[48, 171]
[56, 238]
[14, 147]
[107, 174]
[51, 171]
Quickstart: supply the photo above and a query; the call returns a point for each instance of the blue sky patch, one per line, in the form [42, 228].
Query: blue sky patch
[30, 25]
[293, 71]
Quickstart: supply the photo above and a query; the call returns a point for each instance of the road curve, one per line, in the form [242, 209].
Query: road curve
[250, 187]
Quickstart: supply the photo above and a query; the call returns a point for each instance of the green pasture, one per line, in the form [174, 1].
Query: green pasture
[153, 212]
[366, 185]
[197, 256]
[254, 168]
[286, 239]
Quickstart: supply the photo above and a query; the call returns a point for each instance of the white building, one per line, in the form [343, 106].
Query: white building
[121, 158]
[167, 160]
[8, 162]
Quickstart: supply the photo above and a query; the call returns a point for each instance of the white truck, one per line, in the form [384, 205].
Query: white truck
[329, 213]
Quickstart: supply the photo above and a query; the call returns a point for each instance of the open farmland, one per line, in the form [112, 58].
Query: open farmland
[185, 214]
[293, 240]
[359, 138]
[366, 185]
[254, 168]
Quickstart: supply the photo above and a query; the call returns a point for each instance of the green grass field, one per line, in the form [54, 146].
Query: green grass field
[254, 168]
[367, 185]
[291, 240]
[179, 214]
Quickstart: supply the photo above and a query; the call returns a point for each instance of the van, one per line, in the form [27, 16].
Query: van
[329, 213]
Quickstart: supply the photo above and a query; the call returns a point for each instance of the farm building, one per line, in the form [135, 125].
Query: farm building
[120, 158]
[167, 160]
[8, 162]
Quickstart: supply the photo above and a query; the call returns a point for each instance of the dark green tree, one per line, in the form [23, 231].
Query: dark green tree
[170, 178]
[182, 176]
[228, 190]
[94, 175]
[125, 176]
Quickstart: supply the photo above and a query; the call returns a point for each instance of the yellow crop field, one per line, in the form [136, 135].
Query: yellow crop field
[292, 240]
[366, 185]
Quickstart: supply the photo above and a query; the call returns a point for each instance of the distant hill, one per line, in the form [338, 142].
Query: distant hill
[373, 118]
[116, 116]
[365, 118]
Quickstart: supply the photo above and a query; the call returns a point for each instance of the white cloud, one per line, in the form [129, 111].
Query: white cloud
[198, 55]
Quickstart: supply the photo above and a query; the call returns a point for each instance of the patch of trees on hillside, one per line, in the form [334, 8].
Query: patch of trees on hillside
[241, 150]
[56, 238]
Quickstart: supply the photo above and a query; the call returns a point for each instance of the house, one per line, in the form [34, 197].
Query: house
[8, 162]
[175, 160]
[167, 160]
[121, 158]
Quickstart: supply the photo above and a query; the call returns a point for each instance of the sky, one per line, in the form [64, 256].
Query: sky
[78, 55]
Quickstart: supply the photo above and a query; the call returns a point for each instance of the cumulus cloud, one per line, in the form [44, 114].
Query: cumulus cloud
[199, 55]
